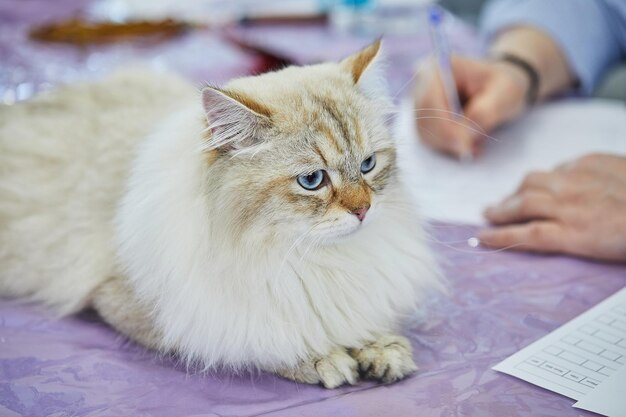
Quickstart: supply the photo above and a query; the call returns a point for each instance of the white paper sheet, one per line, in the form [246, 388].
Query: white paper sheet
[580, 356]
[609, 398]
[549, 135]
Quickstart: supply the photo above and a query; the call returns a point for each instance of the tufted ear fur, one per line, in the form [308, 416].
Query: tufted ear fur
[366, 69]
[233, 119]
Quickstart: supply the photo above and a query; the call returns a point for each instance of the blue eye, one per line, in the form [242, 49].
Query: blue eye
[368, 164]
[312, 181]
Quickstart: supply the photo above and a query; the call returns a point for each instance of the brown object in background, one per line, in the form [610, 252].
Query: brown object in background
[80, 32]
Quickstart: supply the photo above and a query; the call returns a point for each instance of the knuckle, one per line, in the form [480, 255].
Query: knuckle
[570, 187]
[588, 161]
[503, 238]
[531, 179]
[483, 117]
[527, 203]
[536, 232]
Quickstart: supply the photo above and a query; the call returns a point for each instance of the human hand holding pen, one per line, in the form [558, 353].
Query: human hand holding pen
[492, 93]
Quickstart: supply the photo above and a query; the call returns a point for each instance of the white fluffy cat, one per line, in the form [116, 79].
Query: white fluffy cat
[259, 225]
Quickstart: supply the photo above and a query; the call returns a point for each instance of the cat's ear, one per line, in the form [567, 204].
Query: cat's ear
[366, 69]
[233, 119]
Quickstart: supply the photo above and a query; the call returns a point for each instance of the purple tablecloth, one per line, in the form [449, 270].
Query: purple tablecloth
[498, 303]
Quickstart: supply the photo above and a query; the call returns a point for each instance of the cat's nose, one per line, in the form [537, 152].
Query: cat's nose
[360, 212]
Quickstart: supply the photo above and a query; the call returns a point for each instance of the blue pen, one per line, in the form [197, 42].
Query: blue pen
[440, 45]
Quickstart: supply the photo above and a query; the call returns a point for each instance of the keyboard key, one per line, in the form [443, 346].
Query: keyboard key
[607, 337]
[553, 350]
[555, 369]
[572, 357]
[588, 329]
[612, 356]
[571, 340]
[594, 366]
[534, 361]
[590, 382]
[619, 324]
[574, 376]
[605, 319]
[589, 347]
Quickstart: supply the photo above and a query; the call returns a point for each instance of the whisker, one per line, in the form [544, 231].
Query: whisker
[418, 71]
[401, 89]
[313, 243]
[431, 239]
[296, 242]
[475, 251]
[456, 115]
[459, 123]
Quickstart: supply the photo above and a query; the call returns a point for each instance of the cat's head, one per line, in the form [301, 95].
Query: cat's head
[301, 153]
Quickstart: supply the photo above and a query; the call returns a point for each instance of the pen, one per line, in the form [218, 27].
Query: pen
[442, 52]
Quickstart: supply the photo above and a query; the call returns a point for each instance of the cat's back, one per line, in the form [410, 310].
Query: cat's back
[64, 159]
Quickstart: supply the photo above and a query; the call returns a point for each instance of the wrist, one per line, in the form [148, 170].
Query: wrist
[525, 74]
[541, 52]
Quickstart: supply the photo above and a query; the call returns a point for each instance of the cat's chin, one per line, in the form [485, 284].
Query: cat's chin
[341, 233]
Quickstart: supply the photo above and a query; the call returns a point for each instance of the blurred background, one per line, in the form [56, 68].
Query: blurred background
[44, 42]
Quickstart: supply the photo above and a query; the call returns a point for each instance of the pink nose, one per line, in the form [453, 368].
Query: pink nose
[360, 212]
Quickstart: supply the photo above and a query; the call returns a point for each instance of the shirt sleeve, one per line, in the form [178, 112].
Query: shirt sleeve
[587, 31]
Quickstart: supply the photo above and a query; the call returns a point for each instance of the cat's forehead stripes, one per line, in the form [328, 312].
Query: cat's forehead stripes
[341, 119]
[330, 138]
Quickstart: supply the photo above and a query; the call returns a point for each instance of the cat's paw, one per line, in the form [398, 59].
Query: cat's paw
[335, 369]
[388, 359]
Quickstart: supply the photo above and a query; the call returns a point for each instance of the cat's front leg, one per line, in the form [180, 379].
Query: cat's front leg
[333, 370]
[387, 359]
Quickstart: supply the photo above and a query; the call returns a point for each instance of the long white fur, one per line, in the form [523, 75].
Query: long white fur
[64, 159]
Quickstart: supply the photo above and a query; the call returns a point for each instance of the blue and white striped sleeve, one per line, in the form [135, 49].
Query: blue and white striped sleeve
[591, 33]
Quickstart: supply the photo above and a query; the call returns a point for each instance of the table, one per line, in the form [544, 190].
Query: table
[498, 302]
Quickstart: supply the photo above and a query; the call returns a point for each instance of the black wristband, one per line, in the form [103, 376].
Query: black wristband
[529, 70]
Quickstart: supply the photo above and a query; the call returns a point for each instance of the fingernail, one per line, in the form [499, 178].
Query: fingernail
[464, 150]
[510, 204]
[466, 157]
[464, 153]
[484, 236]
